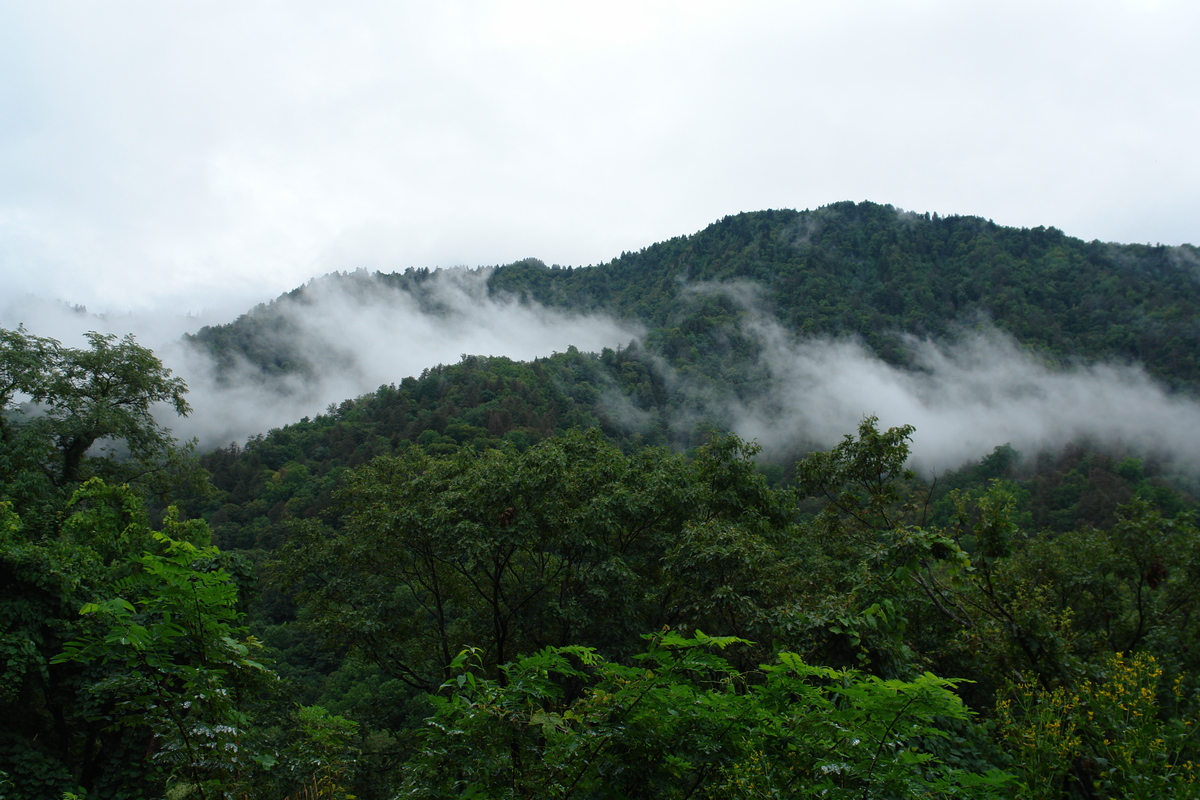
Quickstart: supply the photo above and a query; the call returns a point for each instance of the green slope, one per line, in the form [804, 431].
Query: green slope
[864, 269]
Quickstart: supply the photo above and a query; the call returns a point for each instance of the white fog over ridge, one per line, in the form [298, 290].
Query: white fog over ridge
[963, 398]
[357, 344]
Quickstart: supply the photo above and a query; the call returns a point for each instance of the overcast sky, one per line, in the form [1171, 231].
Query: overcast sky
[206, 155]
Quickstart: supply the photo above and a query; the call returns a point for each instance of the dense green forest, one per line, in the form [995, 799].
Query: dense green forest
[529, 579]
[846, 269]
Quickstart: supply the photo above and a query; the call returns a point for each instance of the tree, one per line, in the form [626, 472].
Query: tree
[67, 414]
[112, 701]
[571, 541]
[879, 564]
[684, 723]
[860, 481]
[107, 392]
[126, 670]
[502, 550]
[176, 663]
[23, 358]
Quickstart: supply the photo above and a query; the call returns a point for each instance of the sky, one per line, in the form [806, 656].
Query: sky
[200, 157]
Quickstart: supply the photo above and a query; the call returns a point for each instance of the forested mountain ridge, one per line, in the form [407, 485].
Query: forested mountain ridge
[479, 403]
[563, 577]
[863, 269]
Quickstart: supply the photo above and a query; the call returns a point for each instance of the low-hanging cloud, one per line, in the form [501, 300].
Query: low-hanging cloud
[358, 333]
[963, 397]
[355, 332]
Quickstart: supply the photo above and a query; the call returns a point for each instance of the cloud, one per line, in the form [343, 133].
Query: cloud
[358, 333]
[964, 394]
[964, 398]
[355, 332]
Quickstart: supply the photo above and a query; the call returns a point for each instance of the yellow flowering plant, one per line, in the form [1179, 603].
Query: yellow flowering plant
[1113, 737]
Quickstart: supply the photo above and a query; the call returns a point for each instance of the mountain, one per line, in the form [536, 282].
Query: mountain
[564, 571]
[865, 270]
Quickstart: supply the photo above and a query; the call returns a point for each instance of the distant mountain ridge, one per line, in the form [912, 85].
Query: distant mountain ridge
[847, 269]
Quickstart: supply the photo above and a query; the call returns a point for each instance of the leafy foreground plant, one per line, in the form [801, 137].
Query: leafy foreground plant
[170, 697]
[177, 661]
[685, 724]
[1109, 739]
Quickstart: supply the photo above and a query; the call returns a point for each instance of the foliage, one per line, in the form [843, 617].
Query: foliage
[875, 555]
[147, 681]
[1109, 739]
[1042, 605]
[511, 552]
[127, 671]
[322, 757]
[1042, 729]
[86, 412]
[480, 403]
[176, 660]
[685, 723]
[50, 744]
[530, 518]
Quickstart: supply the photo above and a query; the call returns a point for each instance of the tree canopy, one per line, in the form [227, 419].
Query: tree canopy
[564, 578]
[67, 414]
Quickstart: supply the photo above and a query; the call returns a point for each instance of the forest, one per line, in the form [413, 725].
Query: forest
[564, 577]
[863, 269]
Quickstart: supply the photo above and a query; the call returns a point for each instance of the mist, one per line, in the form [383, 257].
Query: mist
[357, 334]
[964, 397]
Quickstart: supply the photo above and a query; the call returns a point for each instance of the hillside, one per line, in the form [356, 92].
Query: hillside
[861, 270]
[501, 575]
[864, 270]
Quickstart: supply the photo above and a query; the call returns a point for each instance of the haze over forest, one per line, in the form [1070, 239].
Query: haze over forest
[493, 398]
[441, 519]
[961, 369]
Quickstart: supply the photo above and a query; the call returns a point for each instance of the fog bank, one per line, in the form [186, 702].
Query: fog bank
[963, 398]
[357, 334]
